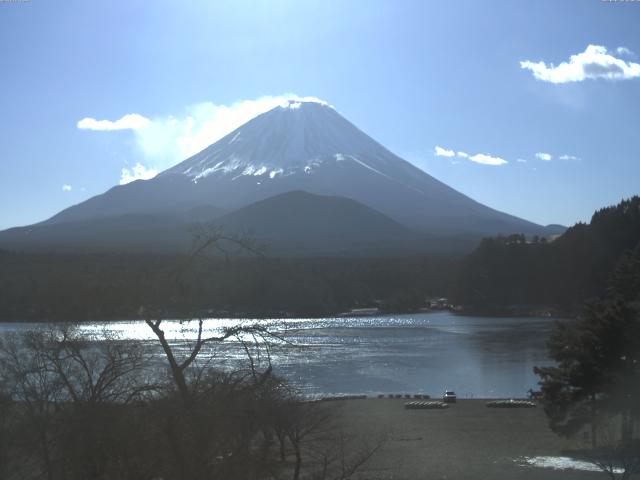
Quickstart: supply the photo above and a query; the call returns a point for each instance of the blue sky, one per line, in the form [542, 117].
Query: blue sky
[413, 75]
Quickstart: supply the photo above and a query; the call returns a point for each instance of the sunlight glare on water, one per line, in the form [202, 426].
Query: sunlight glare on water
[413, 353]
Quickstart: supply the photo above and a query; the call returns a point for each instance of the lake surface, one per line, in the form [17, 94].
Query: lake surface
[414, 353]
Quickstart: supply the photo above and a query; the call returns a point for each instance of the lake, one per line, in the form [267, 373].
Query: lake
[413, 353]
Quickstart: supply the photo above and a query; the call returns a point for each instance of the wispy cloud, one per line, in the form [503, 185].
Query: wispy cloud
[547, 157]
[443, 152]
[624, 51]
[166, 140]
[66, 188]
[131, 121]
[594, 63]
[137, 172]
[481, 158]
[485, 159]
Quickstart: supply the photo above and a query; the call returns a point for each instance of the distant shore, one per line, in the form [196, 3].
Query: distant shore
[286, 315]
[359, 312]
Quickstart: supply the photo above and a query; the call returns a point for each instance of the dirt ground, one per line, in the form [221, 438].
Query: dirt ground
[465, 441]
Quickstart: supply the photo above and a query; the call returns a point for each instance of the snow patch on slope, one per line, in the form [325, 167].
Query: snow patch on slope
[235, 137]
[367, 166]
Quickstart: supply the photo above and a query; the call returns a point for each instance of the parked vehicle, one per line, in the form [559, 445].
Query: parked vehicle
[449, 396]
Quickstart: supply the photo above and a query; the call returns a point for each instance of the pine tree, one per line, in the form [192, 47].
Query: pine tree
[597, 371]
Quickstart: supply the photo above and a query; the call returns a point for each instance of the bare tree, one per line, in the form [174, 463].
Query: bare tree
[69, 390]
[28, 381]
[342, 456]
[209, 236]
[178, 367]
[93, 369]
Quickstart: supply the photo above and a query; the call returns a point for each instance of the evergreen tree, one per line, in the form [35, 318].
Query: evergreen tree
[597, 375]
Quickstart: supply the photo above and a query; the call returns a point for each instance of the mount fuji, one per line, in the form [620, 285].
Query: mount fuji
[305, 147]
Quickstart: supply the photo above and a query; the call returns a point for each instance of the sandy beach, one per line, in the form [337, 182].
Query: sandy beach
[465, 441]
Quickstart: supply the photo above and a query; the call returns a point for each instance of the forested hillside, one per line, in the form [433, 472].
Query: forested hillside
[115, 286]
[513, 274]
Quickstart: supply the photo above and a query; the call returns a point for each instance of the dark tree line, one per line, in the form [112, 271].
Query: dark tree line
[55, 287]
[512, 274]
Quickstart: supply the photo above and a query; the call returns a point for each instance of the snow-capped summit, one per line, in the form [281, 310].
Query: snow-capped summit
[295, 137]
[298, 102]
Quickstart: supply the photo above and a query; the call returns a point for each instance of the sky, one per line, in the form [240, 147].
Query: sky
[530, 107]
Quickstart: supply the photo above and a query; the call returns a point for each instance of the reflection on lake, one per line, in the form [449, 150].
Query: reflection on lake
[415, 353]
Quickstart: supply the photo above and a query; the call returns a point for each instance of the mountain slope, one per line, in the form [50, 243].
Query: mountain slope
[300, 223]
[310, 147]
[291, 224]
[131, 232]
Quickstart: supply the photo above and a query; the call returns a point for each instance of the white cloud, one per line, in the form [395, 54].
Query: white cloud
[443, 152]
[137, 172]
[487, 159]
[521, 160]
[569, 157]
[66, 188]
[166, 140]
[477, 158]
[594, 63]
[544, 156]
[131, 121]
